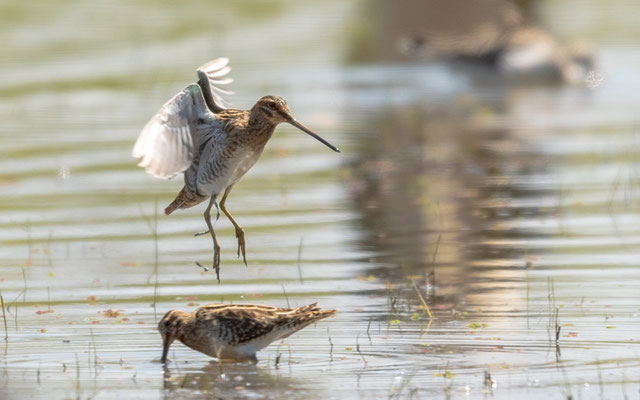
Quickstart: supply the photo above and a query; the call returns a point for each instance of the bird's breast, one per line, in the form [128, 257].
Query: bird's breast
[224, 168]
[245, 161]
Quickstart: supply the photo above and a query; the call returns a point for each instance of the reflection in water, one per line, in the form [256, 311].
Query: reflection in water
[229, 380]
[433, 186]
[480, 197]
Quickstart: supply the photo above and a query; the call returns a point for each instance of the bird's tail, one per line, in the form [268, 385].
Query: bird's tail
[307, 315]
[184, 199]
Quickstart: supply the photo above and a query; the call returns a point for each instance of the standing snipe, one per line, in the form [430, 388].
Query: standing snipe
[235, 331]
[214, 146]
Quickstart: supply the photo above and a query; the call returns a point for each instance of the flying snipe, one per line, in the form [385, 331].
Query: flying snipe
[214, 146]
[235, 331]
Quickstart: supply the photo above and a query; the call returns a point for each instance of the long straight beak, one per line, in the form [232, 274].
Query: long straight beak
[308, 131]
[165, 350]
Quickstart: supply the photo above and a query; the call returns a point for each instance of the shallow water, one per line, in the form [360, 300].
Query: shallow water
[499, 204]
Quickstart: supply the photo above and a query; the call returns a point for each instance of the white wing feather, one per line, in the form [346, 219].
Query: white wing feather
[167, 143]
[216, 70]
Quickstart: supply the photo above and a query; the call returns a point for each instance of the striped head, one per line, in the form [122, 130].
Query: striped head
[272, 110]
[169, 328]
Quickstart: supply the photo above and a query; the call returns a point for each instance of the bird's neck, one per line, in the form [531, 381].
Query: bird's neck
[260, 126]
[246, 123]
[259, 131]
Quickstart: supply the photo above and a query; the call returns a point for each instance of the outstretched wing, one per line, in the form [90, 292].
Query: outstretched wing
[167, 143]
[210, 76]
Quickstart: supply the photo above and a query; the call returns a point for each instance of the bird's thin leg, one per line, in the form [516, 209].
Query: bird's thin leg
[217, 218]
[216, 246]
[239, 229]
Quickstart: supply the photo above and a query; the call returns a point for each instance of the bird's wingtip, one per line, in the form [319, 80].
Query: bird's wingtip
[329, 313]
[214, 64]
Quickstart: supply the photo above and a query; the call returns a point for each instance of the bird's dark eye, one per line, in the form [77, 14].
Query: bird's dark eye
[272, 105]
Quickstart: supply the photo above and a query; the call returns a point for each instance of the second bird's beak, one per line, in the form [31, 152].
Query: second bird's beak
[166, 343]
[308, 131]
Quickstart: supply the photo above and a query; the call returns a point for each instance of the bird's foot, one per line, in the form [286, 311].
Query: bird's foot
[206, 269]
[241, 245]
[216, 261]
[200, 233]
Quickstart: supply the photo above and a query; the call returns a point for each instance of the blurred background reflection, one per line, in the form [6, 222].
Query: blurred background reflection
[489, 171]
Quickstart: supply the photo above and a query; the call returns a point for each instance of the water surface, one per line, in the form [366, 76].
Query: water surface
[510, 210]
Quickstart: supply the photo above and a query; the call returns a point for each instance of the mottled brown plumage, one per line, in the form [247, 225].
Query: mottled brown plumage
[214, 147]
[244, 129]
[235, 331]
